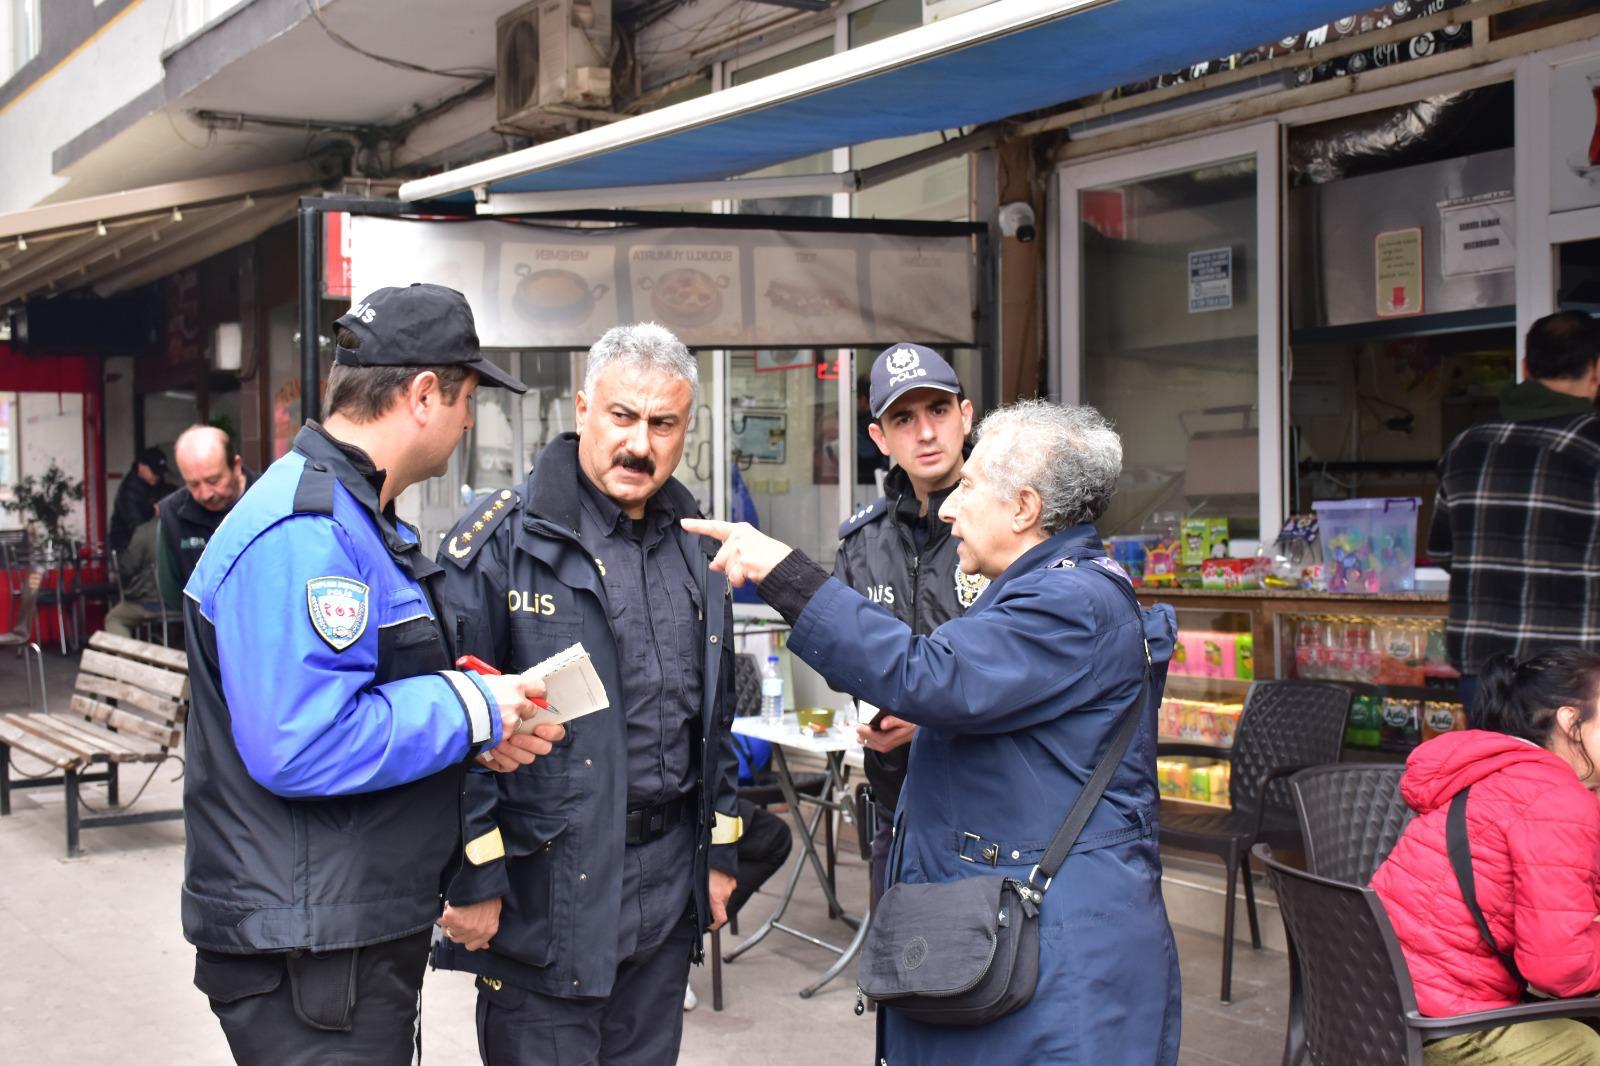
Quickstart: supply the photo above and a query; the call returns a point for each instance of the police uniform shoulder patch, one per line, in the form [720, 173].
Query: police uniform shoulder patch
[338, 609]
[477, 525]
[969, 587]
[870, 513]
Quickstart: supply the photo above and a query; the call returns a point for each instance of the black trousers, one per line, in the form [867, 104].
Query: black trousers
[763, 849]
[354, 1008]
[639, 1024]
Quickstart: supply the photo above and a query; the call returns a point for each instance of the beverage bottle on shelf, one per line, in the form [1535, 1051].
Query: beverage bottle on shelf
[771, 691]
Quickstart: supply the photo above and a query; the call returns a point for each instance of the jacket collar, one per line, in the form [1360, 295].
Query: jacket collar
[1081, 540]
[355, 470]
[552, 490]
[1531, 401]
[192, 511]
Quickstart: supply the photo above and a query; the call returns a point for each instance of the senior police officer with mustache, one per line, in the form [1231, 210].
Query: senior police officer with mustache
[592, 875]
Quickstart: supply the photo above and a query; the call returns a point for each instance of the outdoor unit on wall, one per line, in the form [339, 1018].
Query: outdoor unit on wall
[552, 57]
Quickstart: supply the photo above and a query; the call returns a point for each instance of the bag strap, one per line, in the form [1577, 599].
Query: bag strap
[1127, 725]
[1455, 836]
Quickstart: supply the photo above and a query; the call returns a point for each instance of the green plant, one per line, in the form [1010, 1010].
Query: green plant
[46, 500]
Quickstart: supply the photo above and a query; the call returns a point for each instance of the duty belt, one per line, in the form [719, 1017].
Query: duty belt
[652, 823]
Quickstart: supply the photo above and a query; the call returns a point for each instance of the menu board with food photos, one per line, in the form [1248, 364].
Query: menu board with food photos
[692, 289]
[797, 289]
[922, 291]
[557, 292]
[559, 287]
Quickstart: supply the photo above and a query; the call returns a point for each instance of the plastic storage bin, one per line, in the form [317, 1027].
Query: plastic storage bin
[1369, 545]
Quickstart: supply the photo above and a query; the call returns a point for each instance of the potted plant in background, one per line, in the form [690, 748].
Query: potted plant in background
[45, 502]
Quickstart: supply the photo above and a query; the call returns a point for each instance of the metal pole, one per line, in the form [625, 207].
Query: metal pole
[310, 305]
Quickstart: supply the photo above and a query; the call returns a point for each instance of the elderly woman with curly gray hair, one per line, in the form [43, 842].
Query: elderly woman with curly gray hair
[1016, 702]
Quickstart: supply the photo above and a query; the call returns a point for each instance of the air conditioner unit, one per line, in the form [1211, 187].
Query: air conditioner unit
[551, 53]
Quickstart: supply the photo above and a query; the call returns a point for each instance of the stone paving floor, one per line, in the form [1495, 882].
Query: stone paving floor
[97, 969]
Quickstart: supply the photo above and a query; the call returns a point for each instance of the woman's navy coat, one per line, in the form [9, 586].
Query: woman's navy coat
[1015, 701]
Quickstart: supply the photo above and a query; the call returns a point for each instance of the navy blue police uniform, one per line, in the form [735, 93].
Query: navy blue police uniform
[600, 851]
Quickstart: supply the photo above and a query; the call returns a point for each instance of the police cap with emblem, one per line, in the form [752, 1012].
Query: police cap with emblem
[419, 325]
[904, 367]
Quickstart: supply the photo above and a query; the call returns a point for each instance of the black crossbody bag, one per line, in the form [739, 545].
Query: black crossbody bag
[965, 952]
[1460, 851]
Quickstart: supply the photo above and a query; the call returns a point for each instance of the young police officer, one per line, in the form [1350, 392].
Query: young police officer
[593, 873]
[897, 552]
[328, 737]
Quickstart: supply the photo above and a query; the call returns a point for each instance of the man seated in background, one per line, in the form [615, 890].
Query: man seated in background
[140, 592]
[763, 849]
[142, 488]
[214, 478]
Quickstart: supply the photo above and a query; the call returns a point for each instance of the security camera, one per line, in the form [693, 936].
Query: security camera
[1016, 220]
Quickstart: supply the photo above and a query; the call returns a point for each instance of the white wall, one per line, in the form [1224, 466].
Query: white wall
[115, 67]
[51, 426]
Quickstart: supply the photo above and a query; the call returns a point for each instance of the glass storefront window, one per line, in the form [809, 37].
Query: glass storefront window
[1173, 366]
[783, 445]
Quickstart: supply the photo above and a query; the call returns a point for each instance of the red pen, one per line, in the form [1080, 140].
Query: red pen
[478, 666]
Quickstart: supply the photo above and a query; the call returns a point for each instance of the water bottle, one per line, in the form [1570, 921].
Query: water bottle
[771, 692]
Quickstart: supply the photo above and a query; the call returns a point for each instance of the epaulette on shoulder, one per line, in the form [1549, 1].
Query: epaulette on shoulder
[870, 513]
[477, 524]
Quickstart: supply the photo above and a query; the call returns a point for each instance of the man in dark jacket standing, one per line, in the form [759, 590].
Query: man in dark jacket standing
[142, 488]
[214, 477]
[593, 873]
[1517, 518]
[897, 552]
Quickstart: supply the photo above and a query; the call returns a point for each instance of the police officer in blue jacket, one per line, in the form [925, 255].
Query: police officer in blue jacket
[592, 874]
[1014, 702]
[328, 738]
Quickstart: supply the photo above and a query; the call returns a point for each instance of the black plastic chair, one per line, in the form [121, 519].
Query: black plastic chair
[1349, 976]
[1351, 815]
[1286, 726]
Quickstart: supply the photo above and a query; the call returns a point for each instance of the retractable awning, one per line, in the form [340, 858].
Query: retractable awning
[118, 241]
[1004, 59]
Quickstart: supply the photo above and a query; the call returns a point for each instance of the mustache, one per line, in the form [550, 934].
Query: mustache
[639, 464]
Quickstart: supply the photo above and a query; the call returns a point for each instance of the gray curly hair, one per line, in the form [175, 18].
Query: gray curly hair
[644, 346]
[1069, 455]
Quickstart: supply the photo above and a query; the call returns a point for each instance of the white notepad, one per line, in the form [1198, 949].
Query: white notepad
[572, 688]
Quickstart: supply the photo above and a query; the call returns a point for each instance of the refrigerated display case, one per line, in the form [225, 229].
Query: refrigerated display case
[1212, 666]
[1388, 649]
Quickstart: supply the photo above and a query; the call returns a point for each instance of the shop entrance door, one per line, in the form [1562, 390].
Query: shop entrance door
[1170, 325]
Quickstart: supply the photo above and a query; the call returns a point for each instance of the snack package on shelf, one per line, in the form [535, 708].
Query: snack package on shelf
[1293, 554]
[1161, 565]
[1179, 779]
[1245, 662]
[1203, 721]
[1132, 553]
[1230, 574]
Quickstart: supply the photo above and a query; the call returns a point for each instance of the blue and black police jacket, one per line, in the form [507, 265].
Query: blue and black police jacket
[327, 738]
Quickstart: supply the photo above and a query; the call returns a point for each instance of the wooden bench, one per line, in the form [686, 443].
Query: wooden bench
[128, 706]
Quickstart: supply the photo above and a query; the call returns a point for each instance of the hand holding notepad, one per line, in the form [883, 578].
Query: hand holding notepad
[571, 685]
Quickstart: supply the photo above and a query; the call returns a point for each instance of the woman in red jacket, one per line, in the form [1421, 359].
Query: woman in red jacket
[1533, 824]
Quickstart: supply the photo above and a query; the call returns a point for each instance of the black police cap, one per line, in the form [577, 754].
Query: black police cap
[419, 325]
[900, 368]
